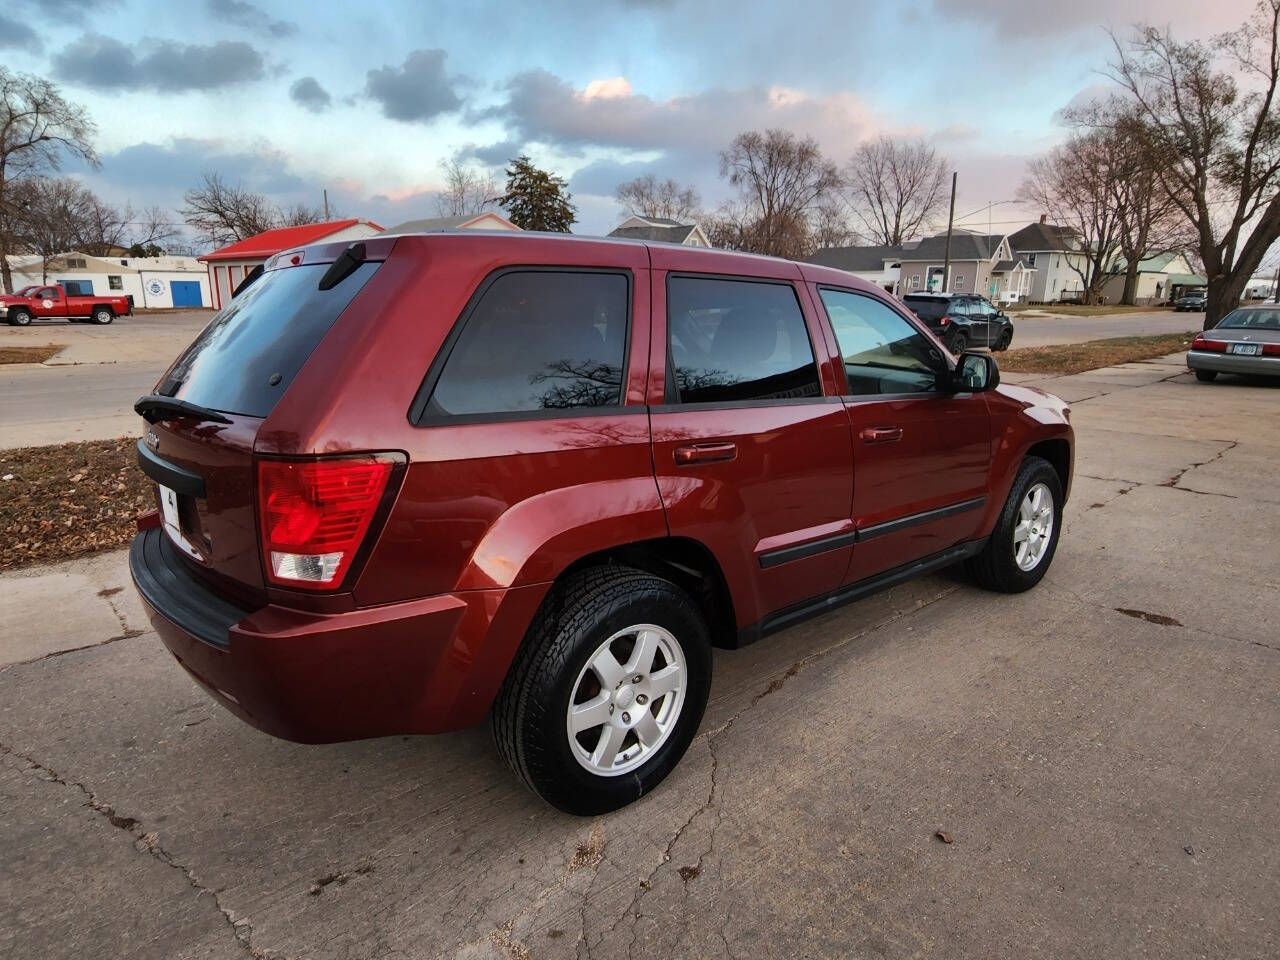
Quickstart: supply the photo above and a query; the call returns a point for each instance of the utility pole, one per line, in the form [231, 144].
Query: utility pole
[326, 206]
[951, 219]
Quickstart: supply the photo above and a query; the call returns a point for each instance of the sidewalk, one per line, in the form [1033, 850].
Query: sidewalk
[67, 606]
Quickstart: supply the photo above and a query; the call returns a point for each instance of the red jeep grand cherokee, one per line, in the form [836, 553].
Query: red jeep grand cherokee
[417, 480]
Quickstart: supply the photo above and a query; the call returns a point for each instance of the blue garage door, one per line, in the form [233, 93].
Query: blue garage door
[186, 293]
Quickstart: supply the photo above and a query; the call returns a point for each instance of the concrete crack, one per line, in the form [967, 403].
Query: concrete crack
[148, 843]
[127, 635]
[1173, 481]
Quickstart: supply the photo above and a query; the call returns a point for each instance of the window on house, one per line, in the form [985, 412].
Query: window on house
[78, 288]
[1031, 259]
[915, 281]
[114, 283]
[735, 340]
[959, 280]
[75, 263]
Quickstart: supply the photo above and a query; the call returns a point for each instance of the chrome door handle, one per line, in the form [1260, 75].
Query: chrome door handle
[706, 453]
[880, 434]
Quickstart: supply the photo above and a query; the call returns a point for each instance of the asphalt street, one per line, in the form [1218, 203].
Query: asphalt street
[1100, 752]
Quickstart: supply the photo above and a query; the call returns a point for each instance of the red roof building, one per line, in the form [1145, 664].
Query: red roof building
[229, 266]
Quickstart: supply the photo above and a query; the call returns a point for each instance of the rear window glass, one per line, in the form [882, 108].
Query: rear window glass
[247, 356]
[927, 308]
[738, 340]
[538, 340]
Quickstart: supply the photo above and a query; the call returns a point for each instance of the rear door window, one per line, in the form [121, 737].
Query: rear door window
[247, 356]
[538, 340]
[735, 340]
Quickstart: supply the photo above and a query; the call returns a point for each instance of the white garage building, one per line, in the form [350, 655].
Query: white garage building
[228, 266]
[152, 282]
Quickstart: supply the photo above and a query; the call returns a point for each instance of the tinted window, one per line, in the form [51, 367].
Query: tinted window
[538, 341]
[247, 356]
[882, 352]
[927, 308]
[738, 340]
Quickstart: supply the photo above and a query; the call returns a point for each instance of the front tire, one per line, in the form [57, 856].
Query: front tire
[1206, 376]
[607, 691]
[1025, 538]
[958, 343]
[19, 318]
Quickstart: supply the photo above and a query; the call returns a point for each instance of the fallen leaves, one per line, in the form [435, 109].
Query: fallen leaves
[64, 501]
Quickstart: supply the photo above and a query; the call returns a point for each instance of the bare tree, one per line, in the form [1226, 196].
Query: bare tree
[1080, 184]
[895, 188]
[1212, 114]
[647, 196]
[466, 191]
[781, 181]
[154, 233]
[37, 129]
[53, 213]
[830, 226]
[222, 213]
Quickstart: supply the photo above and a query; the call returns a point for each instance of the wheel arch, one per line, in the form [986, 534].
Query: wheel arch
[1056, 450]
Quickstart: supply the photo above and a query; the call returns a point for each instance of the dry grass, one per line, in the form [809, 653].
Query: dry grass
[63, 501]
[1078, 357]
[29, 354]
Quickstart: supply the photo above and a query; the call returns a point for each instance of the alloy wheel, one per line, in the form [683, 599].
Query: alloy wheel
[626, 700]
[1034, 531]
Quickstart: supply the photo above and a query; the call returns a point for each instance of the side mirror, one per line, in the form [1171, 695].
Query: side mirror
[975, 372]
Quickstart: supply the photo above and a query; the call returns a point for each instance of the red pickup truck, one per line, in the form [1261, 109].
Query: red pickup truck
[52, 301]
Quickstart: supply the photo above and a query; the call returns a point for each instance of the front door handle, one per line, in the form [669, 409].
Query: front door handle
[880, 434]
[706, 453]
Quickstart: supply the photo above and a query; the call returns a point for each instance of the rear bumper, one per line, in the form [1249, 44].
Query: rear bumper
[1230, 363]
[423, 666]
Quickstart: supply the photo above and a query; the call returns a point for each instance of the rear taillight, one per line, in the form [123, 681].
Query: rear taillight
[1271, 349]
[944, 321]
[1203, 343]
[313, 516]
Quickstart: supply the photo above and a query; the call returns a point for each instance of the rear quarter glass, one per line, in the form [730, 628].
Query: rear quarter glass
[247, 356]
[926, 308]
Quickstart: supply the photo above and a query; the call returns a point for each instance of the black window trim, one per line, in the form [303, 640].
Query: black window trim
[875, 397]
[418, 415]
[671, 396]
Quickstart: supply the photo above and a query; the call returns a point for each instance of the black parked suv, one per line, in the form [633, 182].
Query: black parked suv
[962, 320]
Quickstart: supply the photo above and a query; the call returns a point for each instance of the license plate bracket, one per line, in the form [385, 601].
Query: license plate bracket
[1246, 349]
[170, 516]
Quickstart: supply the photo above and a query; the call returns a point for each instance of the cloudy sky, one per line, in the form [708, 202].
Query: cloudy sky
[367, 99]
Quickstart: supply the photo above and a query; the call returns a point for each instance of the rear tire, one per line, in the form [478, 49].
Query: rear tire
[1004, 341]
[20, 318]
[624, 613]
[103, 315]
[1019, 552]
[1206, 376]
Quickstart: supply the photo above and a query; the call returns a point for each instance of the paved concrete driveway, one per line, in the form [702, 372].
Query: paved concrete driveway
[1101, 752]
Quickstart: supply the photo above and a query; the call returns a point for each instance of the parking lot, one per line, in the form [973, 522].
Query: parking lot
[1099, 754]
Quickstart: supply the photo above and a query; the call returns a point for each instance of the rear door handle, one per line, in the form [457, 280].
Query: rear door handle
[706, 453]
[881, 434]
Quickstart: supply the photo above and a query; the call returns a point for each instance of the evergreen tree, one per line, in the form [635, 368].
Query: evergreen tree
[537, 200]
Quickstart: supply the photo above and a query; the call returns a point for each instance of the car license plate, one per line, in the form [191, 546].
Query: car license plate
[1247, 349]
[172, 525]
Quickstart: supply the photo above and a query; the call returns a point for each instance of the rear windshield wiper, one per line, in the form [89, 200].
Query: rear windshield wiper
[154, 408]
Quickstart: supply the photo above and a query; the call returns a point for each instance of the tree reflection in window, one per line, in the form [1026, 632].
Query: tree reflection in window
[738, 340]
[539, 340]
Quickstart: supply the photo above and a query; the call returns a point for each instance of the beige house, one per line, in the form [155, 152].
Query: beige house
[980, 263]
[485, 220]
[1160, 279]
[661, 230]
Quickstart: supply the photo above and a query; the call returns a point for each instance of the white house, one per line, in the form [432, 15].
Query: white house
[1161, 278]
[661, 230]
[486, 220]
[1060, 260]
[879, 265]
[152, 282]
[228, 267]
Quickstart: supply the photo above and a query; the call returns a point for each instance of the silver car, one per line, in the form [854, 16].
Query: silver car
[1246, 341]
